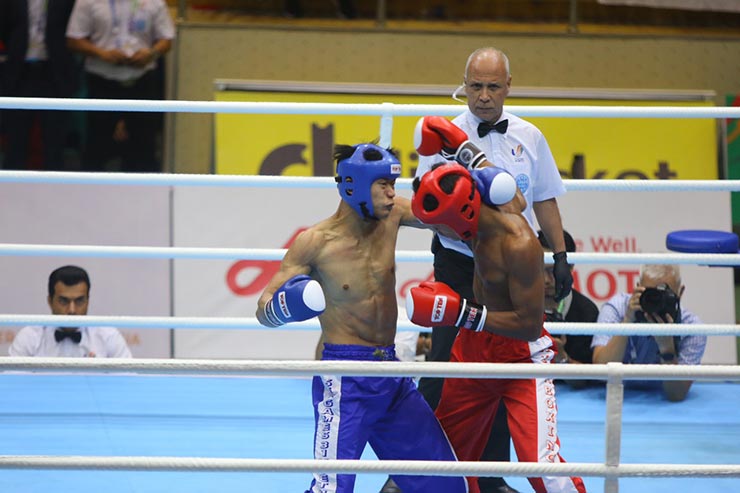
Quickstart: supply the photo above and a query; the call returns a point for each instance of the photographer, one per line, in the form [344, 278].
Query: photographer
[656, 299]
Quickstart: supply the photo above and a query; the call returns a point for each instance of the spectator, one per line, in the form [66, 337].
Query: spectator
[656, 299]
[38, 65]
[122, 41]
[69, 294]
[516, 146]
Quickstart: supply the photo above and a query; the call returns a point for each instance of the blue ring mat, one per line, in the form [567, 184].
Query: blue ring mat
[702, 241]
[231, 417]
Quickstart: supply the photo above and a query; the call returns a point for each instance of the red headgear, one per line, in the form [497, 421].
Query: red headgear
[457, 208]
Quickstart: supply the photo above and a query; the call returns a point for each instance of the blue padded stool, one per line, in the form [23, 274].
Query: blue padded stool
[702, 241]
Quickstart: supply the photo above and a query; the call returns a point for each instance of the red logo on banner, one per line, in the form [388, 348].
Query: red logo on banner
[266, 269]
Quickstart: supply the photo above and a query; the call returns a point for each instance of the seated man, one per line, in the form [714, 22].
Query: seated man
[656, 299]
[69, 294]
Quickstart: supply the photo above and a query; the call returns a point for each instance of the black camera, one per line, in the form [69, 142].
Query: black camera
[660, 300]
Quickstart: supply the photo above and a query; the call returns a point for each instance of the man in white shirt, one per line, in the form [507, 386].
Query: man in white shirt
[69, 294]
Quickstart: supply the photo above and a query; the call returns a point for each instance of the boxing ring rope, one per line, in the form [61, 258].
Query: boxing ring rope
[246, 323]
[323, 182]
[276, 254]
[386, 111]
[613, 373]
[297, 368]
[429, 468]
[361, 109]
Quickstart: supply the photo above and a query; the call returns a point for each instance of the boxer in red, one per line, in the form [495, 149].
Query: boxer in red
[503, 324]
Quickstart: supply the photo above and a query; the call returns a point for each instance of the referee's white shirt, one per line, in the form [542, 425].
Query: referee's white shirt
[522, 151]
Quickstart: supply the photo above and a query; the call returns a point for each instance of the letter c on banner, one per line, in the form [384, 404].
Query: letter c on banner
[267, 269]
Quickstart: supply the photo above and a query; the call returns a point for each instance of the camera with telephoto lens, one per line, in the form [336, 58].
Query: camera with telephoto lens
[661, 301]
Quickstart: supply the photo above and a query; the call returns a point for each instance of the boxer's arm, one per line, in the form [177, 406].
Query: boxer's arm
[434, 134]
[433, 304]
[523, 257]
[409, 219]
[297, 261]
[403, 205]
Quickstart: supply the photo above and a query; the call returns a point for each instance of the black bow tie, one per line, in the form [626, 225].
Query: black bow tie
[484, 128]
[60, 335]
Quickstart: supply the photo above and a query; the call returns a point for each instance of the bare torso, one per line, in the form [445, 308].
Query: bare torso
[355, 265]
[509, 274]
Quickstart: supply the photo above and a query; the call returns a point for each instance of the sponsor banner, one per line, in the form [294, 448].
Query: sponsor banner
[622, 222]
[88, 215]
[606, 148]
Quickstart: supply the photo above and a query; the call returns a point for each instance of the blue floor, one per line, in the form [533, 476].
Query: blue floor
[272, 418]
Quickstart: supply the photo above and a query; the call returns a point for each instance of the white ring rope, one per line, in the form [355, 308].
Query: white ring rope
[429, 468]
[298, 368]
[244, 323]
[276, 254]
[326, 182]
[382, 109]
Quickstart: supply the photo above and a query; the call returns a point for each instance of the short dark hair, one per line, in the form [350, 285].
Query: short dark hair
[570, 245]
[69, 275]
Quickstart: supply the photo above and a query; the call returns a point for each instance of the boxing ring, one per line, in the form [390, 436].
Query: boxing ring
[198, 425]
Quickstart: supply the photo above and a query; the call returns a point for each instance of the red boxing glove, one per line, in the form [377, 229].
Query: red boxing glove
[432, 304]
[437, 135]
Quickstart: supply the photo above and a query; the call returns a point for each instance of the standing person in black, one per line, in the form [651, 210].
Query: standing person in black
[575, 307]
[38, 65]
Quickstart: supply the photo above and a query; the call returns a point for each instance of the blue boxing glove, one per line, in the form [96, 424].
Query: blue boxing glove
[300, 298]
[495, 185]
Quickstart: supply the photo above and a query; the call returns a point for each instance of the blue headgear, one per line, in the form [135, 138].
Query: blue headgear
[357, 174]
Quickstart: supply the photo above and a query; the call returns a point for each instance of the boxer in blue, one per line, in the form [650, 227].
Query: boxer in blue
[343, 271]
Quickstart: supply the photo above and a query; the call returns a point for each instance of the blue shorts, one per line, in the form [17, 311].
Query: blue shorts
[388, 413]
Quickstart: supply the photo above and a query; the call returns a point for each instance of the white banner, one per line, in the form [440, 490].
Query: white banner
[270, 218]
[88, 215]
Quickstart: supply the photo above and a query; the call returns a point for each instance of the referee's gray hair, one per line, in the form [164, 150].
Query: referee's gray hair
[661, 270]
[487, 49]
